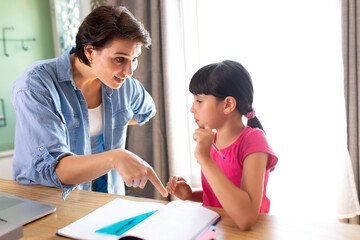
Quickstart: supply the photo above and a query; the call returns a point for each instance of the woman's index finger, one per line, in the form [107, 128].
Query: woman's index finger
[156, 182]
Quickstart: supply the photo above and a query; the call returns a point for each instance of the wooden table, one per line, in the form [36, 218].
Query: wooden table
[79, 203]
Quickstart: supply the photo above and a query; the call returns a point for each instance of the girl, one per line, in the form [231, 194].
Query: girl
[234, 177]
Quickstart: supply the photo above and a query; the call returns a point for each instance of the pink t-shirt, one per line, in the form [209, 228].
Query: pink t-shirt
[250, 140]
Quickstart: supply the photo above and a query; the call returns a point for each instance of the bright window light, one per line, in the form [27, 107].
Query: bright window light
[292, 50]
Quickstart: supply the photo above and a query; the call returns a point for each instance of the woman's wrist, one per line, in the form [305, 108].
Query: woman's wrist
[113, 158]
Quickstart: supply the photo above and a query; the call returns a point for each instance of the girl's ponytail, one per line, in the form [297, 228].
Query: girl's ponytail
[253, 121]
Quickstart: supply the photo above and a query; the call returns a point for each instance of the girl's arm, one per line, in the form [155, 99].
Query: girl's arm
[242, 204]
[181, 189]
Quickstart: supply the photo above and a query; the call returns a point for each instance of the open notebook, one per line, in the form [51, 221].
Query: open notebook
[175, 220]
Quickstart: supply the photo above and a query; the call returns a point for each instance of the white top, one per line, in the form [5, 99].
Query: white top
[95, 120]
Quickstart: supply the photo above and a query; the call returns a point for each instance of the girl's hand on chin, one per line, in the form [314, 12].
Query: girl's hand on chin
[204, 138]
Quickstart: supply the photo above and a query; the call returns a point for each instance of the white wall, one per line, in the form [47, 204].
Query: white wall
[6, 170]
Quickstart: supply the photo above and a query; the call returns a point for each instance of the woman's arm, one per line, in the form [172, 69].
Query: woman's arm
[242, 204]
[134, 171]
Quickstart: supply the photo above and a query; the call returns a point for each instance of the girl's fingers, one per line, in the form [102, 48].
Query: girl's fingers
[181, 179]
[173, 183]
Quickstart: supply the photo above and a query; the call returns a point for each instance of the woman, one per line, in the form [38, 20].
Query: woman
[72, 112]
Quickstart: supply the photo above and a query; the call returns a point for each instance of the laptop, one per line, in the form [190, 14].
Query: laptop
[10, 231]
[20, 211]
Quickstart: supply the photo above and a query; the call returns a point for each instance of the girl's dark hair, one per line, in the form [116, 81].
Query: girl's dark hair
[106, 23]
[223, 79]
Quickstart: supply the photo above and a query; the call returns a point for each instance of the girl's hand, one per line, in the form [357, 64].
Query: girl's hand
[135, 171]
[204, 138]
[179, 187]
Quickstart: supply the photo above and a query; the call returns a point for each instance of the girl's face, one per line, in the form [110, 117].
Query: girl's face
[115, 62]
[208, 110]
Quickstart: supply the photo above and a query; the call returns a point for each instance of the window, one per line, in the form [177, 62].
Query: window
[292, 50]
[66, 21]
[66, 16]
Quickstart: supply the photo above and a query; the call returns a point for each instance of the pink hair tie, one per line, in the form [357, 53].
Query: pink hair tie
[251, 115]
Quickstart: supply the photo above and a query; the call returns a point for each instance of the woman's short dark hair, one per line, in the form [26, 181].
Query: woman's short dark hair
[106, 23]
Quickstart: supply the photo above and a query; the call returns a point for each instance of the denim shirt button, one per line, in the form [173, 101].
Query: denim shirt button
[41, 148]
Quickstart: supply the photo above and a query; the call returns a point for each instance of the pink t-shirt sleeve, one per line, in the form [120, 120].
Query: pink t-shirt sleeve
[256, 142]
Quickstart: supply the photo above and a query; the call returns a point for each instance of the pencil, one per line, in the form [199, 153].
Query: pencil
[218, 151]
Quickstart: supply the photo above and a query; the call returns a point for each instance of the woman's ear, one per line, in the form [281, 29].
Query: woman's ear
[88, 50]
[230, 105]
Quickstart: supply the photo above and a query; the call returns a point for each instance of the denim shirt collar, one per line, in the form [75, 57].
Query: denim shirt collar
[64, 67]
[64, 71]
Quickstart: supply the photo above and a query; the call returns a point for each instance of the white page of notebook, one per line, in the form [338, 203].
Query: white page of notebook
[178, 220]
[112, 212]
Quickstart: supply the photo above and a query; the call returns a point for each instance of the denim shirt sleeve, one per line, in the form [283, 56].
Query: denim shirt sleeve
[40, 137]
[142, 104]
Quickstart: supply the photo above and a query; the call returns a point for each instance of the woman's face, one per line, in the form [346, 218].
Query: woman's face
[115, 62]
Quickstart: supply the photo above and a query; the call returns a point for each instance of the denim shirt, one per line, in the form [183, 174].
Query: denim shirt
[52, 121]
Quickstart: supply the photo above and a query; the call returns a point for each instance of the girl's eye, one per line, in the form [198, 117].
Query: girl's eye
[198, 101]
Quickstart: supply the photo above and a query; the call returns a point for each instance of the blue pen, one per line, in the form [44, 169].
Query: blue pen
[218, 151]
